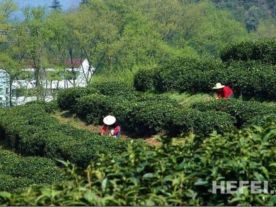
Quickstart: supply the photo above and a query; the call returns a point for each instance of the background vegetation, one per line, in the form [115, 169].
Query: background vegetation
[119, 37]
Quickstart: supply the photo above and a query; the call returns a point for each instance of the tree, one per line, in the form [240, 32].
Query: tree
[56, 5]
[94, 32]
[61, 44]
[29, 45]
[267, 29]
[83, 2]
[7, 7]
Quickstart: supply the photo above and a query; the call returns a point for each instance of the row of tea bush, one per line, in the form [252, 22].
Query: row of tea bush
[262, 50]
[172, 175]
[148, 114]
[31, 131]
[17, 172]
[248, 79]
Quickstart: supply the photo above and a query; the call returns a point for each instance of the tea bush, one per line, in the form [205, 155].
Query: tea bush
[149, 117]
[191, 75]
[94, 108]
[50, 107]
[67, 98]
[114, 88]
[144, 80]
[31, 131]
[264, 51]
[174, 175]
[10, 183]
[182, 122]
[20, 172]
[242, 111]
[261, 120]
[148, 114]
[250, 79]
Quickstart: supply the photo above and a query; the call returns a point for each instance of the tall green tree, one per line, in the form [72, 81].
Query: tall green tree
[62, 45]
[29, 44]
[7, 7]
[56, 5]
[83, 2]
[95, 30]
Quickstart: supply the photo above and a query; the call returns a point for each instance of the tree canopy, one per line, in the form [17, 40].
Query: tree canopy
[123, 35]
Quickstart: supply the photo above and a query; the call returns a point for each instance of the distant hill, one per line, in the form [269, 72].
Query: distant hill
[250, 12]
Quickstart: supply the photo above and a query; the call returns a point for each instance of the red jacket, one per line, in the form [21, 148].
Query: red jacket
[225, 93]
[105, 130]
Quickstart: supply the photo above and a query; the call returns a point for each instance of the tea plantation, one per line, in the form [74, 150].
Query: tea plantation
[44, 162]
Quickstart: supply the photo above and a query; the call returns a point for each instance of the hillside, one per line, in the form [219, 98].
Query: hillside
[253, 13]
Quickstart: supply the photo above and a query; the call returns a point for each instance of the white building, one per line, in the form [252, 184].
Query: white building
[4, 88]
[82, 75]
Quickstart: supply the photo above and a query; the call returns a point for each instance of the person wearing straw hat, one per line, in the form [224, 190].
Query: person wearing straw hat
[222, 91]
[110, 127]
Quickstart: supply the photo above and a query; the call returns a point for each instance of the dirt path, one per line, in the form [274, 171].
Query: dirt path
[64, 118]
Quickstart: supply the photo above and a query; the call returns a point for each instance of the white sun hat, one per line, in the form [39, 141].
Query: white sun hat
[109, 120]
[218, 86]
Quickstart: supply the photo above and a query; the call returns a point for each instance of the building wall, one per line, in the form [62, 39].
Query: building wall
[4, 88]
[84, 72]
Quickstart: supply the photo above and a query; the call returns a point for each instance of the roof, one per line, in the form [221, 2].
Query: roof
[74, 63]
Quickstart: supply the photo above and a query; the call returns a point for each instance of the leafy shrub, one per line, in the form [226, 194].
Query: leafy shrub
[67, 98]
[32, 170]
[264, 51]
[114, 88]
[149, 117]
[242, 111]
[153, 116]
[49, 106]
[172, 175]
[249, 79]
[261, 120]
[10, 183]
[190, 75]
[144, 80]
[94, 108]
[201, 123]
[31, 131]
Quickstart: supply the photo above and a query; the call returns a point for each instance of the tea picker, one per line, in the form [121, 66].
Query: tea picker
[222, 91]
[110, 127]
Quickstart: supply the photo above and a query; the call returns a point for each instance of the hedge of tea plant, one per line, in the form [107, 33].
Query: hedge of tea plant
[144, 80]
[114, 88]
[31, 131]
[147, 115]
[175, 175]
[94, 108]
[67, 98]
[244, 112]
[264, 51]
[248, 79]
[17, 172]
[201, 123]
[151, 117]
